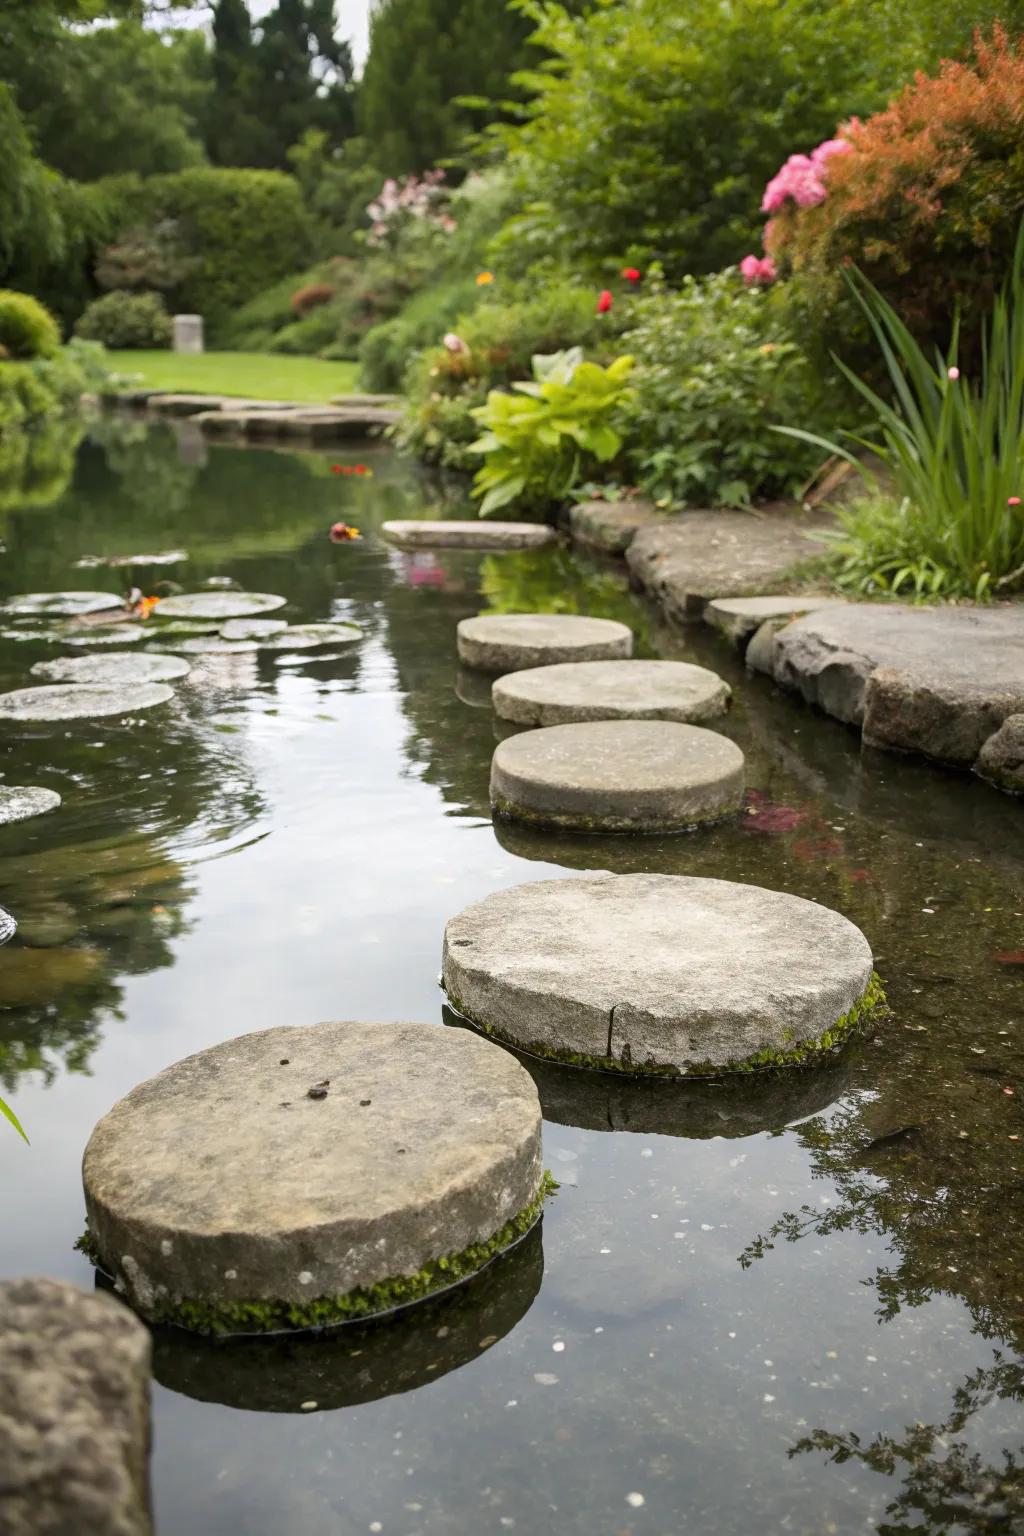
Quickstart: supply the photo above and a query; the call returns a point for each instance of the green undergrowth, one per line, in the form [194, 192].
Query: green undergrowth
[227, 1317]
[806, 1054]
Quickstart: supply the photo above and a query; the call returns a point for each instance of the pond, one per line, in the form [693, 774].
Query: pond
[792, 1303]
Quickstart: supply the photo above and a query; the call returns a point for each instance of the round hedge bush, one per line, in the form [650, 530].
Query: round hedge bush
[123, 320]
[27, 329]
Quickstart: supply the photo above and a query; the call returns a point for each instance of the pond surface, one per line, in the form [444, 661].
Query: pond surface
[791, 1305]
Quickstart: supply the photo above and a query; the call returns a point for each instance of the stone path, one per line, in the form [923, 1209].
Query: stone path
[350, 417]
[611, 526]
[327, 1166]
[618, 776]
[739, 618]
[611, 690]
[657, 972]
[467, 533]
[494, 642]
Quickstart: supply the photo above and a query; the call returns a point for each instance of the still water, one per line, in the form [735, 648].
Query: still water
[791, 1305]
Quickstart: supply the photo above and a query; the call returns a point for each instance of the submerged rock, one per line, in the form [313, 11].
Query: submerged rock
[1001, 759]
[81, 701]
[18, 803]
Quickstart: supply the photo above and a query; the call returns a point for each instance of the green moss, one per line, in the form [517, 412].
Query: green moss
[804, 1054]
[226, 1317]
[575, 821]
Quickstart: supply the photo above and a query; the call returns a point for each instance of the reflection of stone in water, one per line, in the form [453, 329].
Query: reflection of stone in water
[359, 1363]
[473, 688]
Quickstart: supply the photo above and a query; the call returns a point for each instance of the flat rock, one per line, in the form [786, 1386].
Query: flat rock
[74, 1413]
[697, 556]
[938, 681]
[1001, 759]
[252, 629]
[184, 404]
[739, 618]
[113, 667]
[611, 690]
[618, 776]
[654, 972]
[467, 534]
[219, 605]
[18, 803]
[61, 604]
[300, 1166]
[81, 701]
[496, 642]
[612, 525]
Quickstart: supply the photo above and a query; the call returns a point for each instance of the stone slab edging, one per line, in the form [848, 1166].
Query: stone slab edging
[350, 419]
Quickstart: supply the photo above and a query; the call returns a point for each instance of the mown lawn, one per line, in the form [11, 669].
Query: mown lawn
[255, 375]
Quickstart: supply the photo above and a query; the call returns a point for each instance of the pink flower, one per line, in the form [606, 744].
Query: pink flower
[828, 149]
[757, 270]
[1013, 501]
[799, 179]
[953, 373]
[454, 343]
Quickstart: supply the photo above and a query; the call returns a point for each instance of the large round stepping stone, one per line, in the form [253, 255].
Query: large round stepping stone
[618, 776]
[61, 604]
[508, 642]
[218, 605]
[116, 668]
[611, 690]
[81, 701]
[659, 973]
[313, 1175]
[18, 803]
[424, 534]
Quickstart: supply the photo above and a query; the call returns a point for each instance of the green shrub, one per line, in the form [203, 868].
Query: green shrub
[385, 351]
[717, 369]
[27, 329]
[123, 320]
[44, 387]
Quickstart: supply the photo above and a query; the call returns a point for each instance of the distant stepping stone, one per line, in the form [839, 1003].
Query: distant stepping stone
[611, 690]
[81, 701]
[313, 1175]
[19, 803]
[218, 605]
[61, 604]
[468, 534]
[659, 973]
[114, 668]
[618, 776]
[494, 642]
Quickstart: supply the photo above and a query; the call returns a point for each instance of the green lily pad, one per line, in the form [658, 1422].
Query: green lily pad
[8, 927]
[18, 803]
[81, 701]
[61, 604]
[120, 667]
[213, 645]
[252, 629]
[114, 634]
[219, 605]
[303, 637]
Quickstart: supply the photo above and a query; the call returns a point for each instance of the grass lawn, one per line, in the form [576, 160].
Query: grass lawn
[253, 375]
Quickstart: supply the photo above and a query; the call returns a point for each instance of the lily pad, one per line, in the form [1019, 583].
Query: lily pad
[18, 803]
[61, 604]
[185, 627]
[117, 634]
[8, 927]
[165, 557]
[213, 645]
[121, 667]
[219, 605]
[81, 701]
[252, 629]
[303, 637]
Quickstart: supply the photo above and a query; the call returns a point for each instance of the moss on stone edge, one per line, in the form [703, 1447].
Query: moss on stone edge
[227, 1317]
[764, 1061]
[508, 810]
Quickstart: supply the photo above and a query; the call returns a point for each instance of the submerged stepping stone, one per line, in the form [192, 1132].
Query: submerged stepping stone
[495, 642]
[313, 1175]
[117, 634]
[611, 690]
[618, 776]
[81, 701]
[18, 803]
[659, 973]
[252, 629]
[416, 534]
[61, 604]
[219, 605]
[115, 668]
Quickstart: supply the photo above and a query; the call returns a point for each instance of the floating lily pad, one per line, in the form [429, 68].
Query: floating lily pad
[26, 634]
[81, 701]
[184, 627]
[121, 667]
[252, 629]
[213, 645]
[303, 637]
[166, 557]
[61, 604]
[219, 605]
[116, 634]
[18, 803]
[8, 927]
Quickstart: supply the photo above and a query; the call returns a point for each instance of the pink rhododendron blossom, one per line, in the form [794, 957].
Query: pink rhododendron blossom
[454, 343]
[802, 178]
[757, 270]
[828, 149]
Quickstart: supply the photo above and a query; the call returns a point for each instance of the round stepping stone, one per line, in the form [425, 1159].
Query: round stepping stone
[611, 690]
[18, 803]
[8, 926]
[468, 534]
[659, 973]
[251, 629]
[116, 668]
[62, 604]
[618, 776]
[81, 701]
[116, 634]
[313, 1175]
[218, 605]
[495, 642]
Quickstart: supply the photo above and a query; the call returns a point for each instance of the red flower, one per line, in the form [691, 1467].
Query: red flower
[604, 302]
[1013, 501]
[343, 533]
[631, 274]
[360, 469]
[335, 469]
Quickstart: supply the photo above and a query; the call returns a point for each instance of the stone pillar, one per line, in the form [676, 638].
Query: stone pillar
[188, 333]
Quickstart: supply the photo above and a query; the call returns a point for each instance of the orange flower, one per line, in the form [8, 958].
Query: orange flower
[483, 278]
[146, 606]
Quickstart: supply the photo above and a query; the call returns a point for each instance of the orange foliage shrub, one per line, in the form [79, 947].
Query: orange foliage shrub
[310, 297]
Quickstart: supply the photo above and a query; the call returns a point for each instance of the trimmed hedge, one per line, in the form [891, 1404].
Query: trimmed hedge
[27, 329]
[123, 319]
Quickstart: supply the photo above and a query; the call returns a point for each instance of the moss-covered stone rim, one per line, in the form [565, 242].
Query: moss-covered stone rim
[505, 809]
[806, 1054]
[363, 1305]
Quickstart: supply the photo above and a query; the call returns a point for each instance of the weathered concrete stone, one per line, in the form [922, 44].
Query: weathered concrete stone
[611, 690]
[739, 618]
[612, 526]
[939, 681]
[311, 1174]
[184, 404]
[509, 642]
[188, 333]
[657, 972]
[74, 1413]
[359, 402]
[760, 653]
[618, 776]
[18, 803]
[1001, 759]
[117, 667]
[219, 605]
[697, 556]
[467, 533]
[81, 701]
